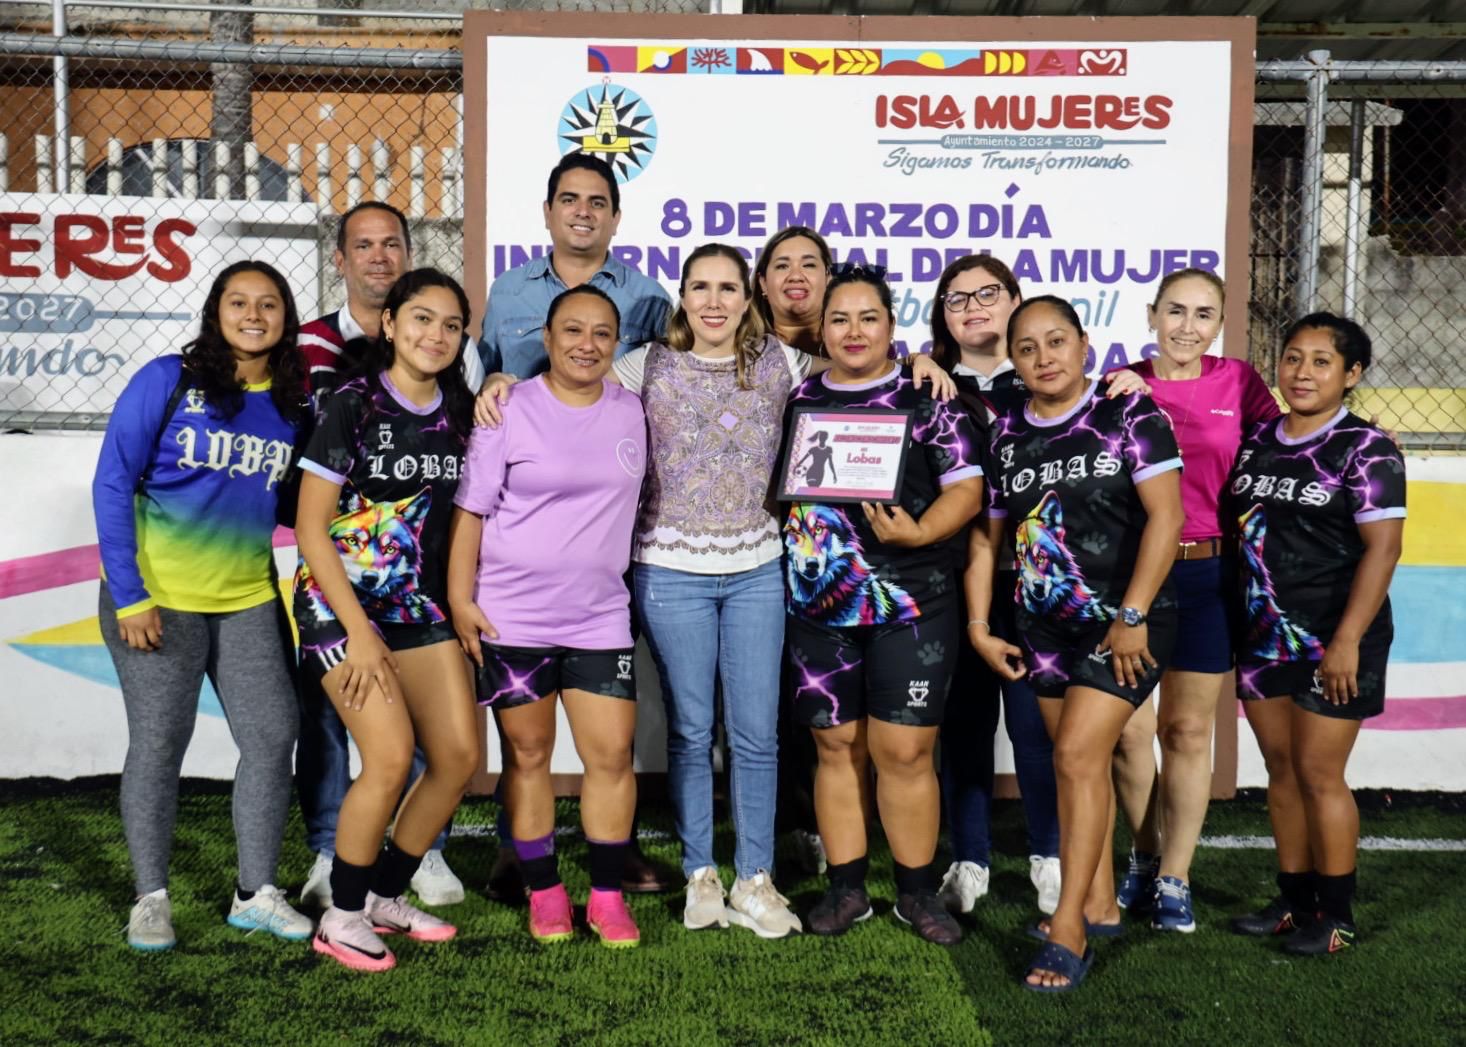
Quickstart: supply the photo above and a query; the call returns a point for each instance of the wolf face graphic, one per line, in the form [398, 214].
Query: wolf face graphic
[828, 575]
[380, 547]
[1270, 635]
[1050, 584]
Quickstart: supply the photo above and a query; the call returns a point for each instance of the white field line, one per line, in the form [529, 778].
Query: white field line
[1367, 843]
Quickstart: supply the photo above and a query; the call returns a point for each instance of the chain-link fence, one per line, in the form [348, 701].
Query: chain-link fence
[1359, 207]
[262, 124]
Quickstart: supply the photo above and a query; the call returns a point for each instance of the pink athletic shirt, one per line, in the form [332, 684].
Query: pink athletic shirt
[557, 487]
[1209, 415]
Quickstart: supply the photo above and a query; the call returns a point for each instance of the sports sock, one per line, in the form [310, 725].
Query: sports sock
[914, 879]
[537, 862]
[349, 884]
[393, 871]
[1298, 891]
[242, 894]
[850, 875]
[607, 863]
[1336, 895]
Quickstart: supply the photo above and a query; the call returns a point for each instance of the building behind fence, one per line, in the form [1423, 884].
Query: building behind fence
[1355, 171]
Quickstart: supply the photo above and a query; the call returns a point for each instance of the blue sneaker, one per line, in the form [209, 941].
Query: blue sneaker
[1172, 906]
[1137, 889]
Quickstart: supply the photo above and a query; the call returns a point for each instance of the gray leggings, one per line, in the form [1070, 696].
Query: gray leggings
[244, 653]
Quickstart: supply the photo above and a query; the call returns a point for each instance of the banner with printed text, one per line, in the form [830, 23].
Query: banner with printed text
[1091, 169]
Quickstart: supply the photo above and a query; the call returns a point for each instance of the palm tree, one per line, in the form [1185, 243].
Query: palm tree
[233, 102]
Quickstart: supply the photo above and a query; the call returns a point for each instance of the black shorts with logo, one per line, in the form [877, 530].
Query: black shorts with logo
[1061, 655]
[1300, 681]
[519, 675]
[897, 673]
[323, 644]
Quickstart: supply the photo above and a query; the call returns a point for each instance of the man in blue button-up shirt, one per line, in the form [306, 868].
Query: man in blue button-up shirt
[582, 211]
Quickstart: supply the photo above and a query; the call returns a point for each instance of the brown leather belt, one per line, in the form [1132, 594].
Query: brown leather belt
[1206, 549]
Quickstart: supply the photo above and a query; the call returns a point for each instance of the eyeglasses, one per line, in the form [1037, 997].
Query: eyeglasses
[858, 269]
[956, 301]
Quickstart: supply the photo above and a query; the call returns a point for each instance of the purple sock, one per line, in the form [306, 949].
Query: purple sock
[528, 850]
[537, 862]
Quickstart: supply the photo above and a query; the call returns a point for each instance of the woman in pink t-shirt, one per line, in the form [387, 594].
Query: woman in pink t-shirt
[1212, 401]
[539, 545]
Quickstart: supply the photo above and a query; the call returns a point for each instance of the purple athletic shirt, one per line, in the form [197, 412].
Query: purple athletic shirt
[1209, 415]
[557, 487]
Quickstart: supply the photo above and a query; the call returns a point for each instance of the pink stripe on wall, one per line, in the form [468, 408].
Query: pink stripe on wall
[31, 574]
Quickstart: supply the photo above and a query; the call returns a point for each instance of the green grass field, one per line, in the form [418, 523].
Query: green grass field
[69, 977]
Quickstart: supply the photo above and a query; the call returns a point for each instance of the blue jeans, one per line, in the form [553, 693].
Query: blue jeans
[968, 732]
[323, 767]
[727, 626]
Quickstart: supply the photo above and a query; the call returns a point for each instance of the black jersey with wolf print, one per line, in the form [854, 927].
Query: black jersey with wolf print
[1068, 485]
[839, 572]
[398, 466]
[1298, 506]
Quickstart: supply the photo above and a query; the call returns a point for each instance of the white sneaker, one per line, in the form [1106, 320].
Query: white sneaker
[150, 925]
[963, 885]
[809, 850]
[269, 911]
[435, 883]
[317, 889]
[756, 905]
[705, 896]
[1044, 872]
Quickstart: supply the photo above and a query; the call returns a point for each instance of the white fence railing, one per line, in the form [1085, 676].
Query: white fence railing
[192, 169]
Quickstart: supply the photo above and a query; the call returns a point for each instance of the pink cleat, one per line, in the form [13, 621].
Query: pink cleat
[348, 938]
[608, 916]
[550, 919]
[396, 916]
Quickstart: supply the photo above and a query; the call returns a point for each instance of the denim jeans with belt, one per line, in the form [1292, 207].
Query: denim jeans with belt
[703, 627]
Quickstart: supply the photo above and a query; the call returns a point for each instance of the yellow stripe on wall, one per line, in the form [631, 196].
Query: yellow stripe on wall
[1434, 531]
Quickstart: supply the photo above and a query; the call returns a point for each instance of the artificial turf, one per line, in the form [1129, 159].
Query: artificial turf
[69, 976]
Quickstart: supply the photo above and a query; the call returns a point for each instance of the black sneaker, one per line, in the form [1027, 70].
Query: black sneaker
[506, 880]
[1274, 918]
[928, 917]
[1320, 937]
[840, 909]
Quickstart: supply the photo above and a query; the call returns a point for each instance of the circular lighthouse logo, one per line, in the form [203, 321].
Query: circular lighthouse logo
[613, 123]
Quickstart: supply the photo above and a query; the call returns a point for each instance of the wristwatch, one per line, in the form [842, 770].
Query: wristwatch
[1130, 616]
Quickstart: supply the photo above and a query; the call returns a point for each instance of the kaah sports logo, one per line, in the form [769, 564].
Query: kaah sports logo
[623, 667]
[613, 123]
[917, 691]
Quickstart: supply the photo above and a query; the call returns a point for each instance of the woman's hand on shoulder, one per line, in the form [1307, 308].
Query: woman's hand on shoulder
[142, 631]
[487, 407]
[1123, 383]
[925, 369]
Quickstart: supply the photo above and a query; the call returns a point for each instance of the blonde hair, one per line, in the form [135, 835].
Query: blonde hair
[748, 340]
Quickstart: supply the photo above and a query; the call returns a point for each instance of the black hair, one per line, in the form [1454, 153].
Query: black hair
[584, 162]
[211, 364]
[859, 274]
[945, 352]
[585, 289]
[766, 258]
[1054, 301]
[380, 353]
[373, 205]
[1348, 337]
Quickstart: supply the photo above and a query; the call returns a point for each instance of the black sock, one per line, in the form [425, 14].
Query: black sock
[243, 895]
[540, 874]
[393, 871]
[1336, 895]
[607, 863]
[349, 885]
[914, 879]
[1298, 891]
[850, 875]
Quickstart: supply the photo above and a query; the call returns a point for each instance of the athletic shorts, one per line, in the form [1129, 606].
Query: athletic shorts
[323, 644]
[896, 673]
[1299, 681]
[519, 675]
[1205, 595]
[1063, 655]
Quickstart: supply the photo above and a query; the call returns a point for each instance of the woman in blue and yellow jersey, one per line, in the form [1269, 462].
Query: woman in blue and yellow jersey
[186, 497]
